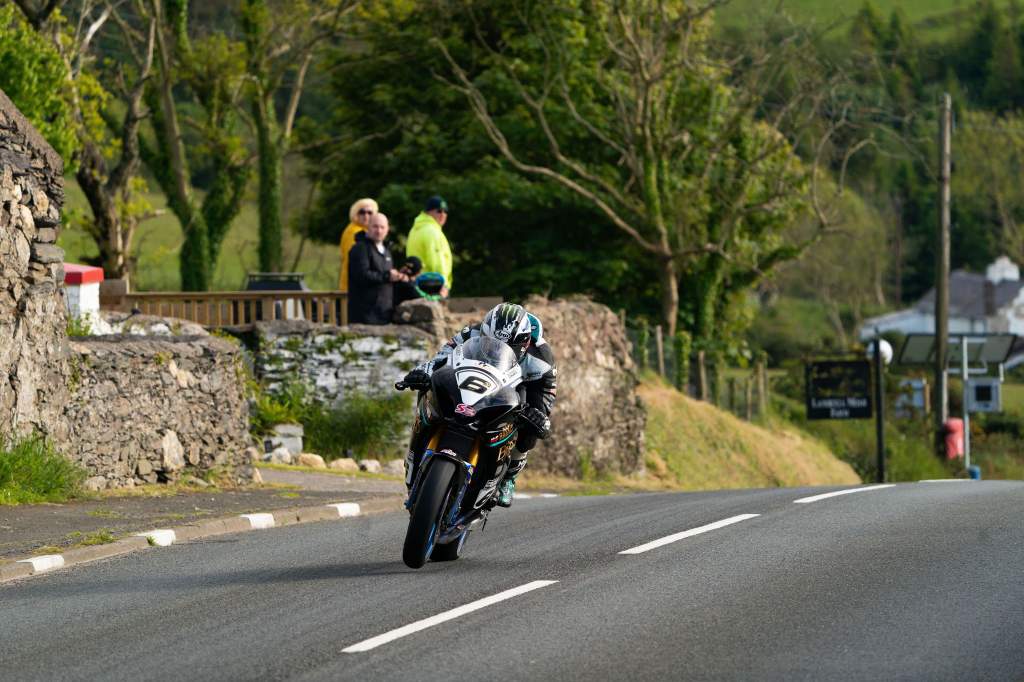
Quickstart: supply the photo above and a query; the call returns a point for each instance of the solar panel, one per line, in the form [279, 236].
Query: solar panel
[982, 349]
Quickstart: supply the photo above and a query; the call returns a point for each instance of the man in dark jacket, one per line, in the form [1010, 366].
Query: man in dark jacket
[371, 273]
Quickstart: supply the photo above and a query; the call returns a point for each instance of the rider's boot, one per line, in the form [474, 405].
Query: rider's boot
[507, 487]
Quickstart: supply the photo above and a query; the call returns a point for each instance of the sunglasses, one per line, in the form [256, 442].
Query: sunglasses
[367, 211]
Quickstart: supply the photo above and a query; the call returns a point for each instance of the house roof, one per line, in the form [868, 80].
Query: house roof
[971, 295]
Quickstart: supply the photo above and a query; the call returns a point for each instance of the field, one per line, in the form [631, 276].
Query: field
[158, 241]
[933, 18]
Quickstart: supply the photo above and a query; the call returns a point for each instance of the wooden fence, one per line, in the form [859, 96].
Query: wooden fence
[235, 308]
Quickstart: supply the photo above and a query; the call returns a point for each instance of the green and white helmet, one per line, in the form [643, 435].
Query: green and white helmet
[508, 322]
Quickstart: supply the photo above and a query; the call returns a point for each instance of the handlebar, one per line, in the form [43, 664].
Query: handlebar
[401, 385]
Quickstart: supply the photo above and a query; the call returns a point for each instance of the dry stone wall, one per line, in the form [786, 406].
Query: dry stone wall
[33, 361]
[148, 409]
[334, 361]
[598, 420]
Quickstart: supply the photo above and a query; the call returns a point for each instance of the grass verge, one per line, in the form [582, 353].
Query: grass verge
[32, 471]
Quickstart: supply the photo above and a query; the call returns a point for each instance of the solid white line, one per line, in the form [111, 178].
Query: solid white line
[260, 520]
[815, 498]
[346, 509]
[46, 562]
[688, 533]
[160, 537]
[375, 642]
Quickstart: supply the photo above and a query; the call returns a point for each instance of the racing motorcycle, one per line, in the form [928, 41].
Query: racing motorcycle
[473, 407]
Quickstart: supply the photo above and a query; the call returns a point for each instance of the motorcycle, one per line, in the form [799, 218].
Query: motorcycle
[472, 407]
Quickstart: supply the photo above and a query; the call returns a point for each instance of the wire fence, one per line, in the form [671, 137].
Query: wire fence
[744, 391]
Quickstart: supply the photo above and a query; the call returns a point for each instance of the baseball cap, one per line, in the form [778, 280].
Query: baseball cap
[436, 203]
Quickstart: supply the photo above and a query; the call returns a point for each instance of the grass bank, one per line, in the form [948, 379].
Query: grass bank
[695, 446]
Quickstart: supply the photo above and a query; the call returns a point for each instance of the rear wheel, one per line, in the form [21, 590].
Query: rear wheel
[450, 551]
[426, 513]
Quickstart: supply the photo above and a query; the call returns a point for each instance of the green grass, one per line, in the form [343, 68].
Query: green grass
[158, 242]
[933, 21]
[31, 471]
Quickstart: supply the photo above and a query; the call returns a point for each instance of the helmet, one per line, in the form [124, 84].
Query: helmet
[508, 322]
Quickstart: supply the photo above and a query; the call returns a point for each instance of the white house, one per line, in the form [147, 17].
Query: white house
[993, 302]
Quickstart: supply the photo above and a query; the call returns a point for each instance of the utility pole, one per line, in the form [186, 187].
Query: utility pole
[941, 401]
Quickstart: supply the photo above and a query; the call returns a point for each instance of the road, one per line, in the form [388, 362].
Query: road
[914, 581]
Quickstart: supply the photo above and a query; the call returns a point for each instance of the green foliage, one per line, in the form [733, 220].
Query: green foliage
[31, 471]
[367, 425]
[78, 326]
[35, 77]
[285, 406]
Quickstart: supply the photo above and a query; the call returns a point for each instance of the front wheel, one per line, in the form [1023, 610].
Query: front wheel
[426, 513]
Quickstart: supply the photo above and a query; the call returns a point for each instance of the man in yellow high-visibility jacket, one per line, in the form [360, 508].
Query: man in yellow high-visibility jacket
[428, 243]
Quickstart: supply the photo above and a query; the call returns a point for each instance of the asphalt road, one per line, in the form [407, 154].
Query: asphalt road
[915, 581]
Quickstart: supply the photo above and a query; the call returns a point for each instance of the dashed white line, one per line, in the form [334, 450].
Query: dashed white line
[654, 544]
[259, 521]
[823, 496]
[391, 636]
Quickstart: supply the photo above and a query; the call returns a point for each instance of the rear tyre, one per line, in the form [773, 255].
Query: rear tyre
[426, 513]
[450, 551]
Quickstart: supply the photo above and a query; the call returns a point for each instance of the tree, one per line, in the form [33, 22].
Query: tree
[211, 71]
[106, 156]
[282, 38]
[631, 112]
[33, 75]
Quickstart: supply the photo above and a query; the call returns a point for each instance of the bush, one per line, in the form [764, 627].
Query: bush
[286, 406]
[32, 471]
[365, 424]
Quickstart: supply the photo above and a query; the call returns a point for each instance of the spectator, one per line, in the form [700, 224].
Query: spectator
[428, 243]
[359, 217]
[372, 275]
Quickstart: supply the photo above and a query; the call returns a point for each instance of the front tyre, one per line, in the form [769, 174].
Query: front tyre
[426, 513]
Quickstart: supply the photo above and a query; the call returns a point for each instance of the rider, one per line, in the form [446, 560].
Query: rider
[523, 333]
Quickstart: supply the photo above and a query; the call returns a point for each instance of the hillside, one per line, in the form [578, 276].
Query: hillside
[692, 445]
[926, 14]
[702, 448]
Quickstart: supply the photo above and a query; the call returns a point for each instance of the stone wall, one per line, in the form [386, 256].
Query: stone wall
[33, 365]
[148, 409]
[333, 361]
[598, 419]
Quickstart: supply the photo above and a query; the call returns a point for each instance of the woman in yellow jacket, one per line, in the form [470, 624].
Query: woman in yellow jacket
[358, 217]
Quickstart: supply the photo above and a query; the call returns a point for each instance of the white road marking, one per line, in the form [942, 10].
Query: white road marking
[823, 496]
[548, 495]
[523, 496]
[160, 537]
[346, 509]
[945, 480]
[260, 520]
[377, 641]
[46, 562]
[688, 533]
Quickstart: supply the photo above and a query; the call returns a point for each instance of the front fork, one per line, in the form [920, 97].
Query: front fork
[463, 473]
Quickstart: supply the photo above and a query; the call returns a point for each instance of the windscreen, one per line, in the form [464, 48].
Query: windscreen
[493, 352]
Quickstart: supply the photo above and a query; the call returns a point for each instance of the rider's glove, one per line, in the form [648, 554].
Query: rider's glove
[417, 380]
[536, 421]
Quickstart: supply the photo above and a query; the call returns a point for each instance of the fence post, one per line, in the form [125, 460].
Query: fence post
[644, 341]
[702, 376]
[659, 344]
[622, 318]
[749, 398]
[733, 405]
[682, 345]
[761, 377]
